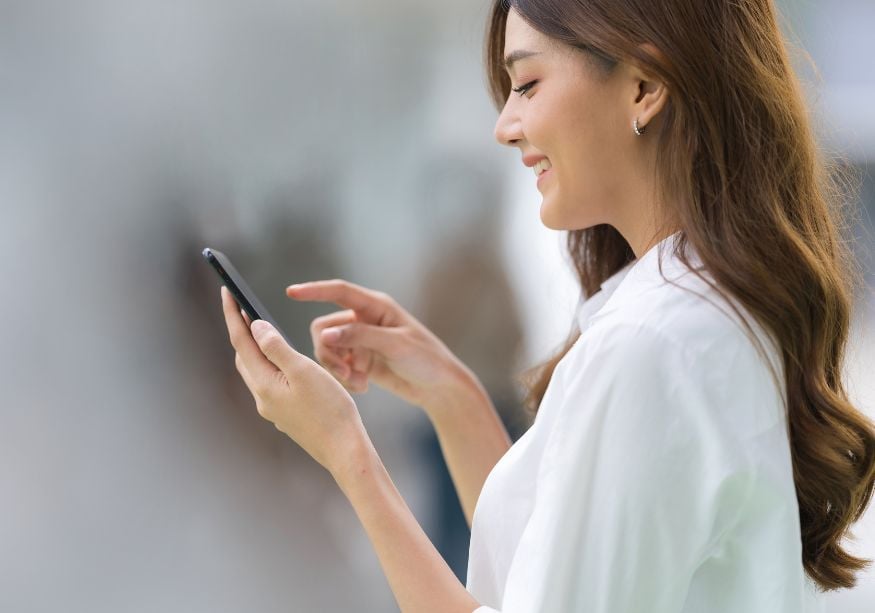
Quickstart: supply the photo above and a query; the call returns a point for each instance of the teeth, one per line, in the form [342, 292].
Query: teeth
[542, 166]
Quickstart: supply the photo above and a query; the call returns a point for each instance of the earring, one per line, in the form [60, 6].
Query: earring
[638, 130]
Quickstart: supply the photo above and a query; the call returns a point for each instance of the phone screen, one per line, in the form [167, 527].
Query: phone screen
[238, 287]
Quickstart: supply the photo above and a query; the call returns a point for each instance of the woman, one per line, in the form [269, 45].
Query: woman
[694, 448]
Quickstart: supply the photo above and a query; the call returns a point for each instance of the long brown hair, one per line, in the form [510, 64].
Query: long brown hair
[759, 203]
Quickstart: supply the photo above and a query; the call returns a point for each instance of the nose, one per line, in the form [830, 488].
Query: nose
[508, 128]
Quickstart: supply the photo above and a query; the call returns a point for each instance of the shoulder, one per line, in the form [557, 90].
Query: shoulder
[683, 312]
[682, 307]
[675, 357]
[636, 402]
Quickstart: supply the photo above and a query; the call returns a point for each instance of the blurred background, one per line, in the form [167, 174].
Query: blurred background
[306, 139]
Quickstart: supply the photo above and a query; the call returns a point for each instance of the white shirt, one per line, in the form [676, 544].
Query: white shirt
[657, 476]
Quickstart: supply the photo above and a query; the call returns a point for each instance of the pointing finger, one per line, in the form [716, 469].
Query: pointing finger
[372, 306]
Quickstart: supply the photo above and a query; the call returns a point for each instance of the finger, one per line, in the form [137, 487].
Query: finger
[274, 347]
[384, 340]
[244, 374]
[333, 319]
[372, 306]
[330, 358]
[261, 370]
[354, 381]
[361, 360]
[357, 382]
[246, 319]
[336, 365]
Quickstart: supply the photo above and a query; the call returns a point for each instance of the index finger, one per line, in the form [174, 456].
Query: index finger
[371, 305]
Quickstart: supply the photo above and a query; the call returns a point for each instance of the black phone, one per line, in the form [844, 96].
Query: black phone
[238, 287]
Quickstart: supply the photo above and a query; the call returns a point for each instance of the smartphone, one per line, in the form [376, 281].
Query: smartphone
[238, 287]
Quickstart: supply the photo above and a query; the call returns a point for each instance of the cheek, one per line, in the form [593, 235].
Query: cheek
[589, 145]
[584, 149]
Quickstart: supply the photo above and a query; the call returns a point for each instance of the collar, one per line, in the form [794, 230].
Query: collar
[632, 278]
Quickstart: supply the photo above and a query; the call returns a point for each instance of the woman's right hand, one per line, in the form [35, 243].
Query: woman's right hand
[375, 339]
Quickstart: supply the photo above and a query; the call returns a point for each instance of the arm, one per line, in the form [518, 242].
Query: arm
[312, 408]
[471, 435]
[418, 575]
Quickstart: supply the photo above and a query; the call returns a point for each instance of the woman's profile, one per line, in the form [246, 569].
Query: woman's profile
[694, 448]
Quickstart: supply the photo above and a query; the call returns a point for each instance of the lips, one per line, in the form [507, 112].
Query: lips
[544, 175]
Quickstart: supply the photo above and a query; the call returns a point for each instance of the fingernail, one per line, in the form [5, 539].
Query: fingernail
[330, 335]
[295, 286]
[259, 325]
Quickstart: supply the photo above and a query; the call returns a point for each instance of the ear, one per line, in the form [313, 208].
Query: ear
[650, 94]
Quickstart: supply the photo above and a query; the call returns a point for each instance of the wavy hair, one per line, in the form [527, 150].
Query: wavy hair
[757, 196]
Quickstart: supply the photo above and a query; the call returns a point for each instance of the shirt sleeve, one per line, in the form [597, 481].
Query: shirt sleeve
[638, 481]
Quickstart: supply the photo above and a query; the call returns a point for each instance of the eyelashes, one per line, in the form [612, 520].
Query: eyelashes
[522, 89]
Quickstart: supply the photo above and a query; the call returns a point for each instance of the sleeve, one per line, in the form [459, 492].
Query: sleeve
[637, 483]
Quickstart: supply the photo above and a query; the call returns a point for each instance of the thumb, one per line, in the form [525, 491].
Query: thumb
[381, 339]
[273, 345]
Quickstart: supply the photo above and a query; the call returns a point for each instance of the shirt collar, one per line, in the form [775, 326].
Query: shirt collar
[630, 279]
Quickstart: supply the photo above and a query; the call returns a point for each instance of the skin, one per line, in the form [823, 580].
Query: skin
[581, 119]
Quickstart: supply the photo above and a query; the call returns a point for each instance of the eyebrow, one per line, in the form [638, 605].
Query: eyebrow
[514, 56]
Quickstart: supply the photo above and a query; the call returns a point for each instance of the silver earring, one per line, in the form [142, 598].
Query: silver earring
[638, 130]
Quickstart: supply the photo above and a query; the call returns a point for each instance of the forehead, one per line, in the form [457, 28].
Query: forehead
[520, 35]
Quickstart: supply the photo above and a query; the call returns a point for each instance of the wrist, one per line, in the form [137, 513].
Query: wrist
[462, 392]
[355, 460]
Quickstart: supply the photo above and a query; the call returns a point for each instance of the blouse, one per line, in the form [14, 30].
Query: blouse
[657, 475]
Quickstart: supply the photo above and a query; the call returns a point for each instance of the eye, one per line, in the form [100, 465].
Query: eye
[522, 89]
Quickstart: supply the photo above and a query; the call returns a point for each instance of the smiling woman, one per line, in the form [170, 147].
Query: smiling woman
[685, 116]
[694, 448]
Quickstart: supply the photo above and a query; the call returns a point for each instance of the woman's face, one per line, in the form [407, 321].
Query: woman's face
[574, 116]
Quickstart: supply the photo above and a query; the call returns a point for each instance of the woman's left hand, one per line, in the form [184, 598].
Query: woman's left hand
[301, 398]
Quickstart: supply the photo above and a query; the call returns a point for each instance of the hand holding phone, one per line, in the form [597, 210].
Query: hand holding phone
[241, 291]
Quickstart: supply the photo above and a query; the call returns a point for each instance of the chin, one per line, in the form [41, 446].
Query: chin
[549, 218]
[555, 220]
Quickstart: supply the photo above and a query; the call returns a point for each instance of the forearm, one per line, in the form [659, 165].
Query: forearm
[471, 435]
[419, 577]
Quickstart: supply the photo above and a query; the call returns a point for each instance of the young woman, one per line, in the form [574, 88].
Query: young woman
[694, 447]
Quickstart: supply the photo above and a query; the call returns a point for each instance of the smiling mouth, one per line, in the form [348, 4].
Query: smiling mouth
[542, 176]
[542, 166]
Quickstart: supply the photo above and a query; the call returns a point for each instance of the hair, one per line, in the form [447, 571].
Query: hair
[752, 193]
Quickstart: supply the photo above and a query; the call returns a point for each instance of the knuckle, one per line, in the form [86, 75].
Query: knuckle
[297, 369]
[272, 343]
[344, 333]
[262, 389]
[388, 302]
[236, 339]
